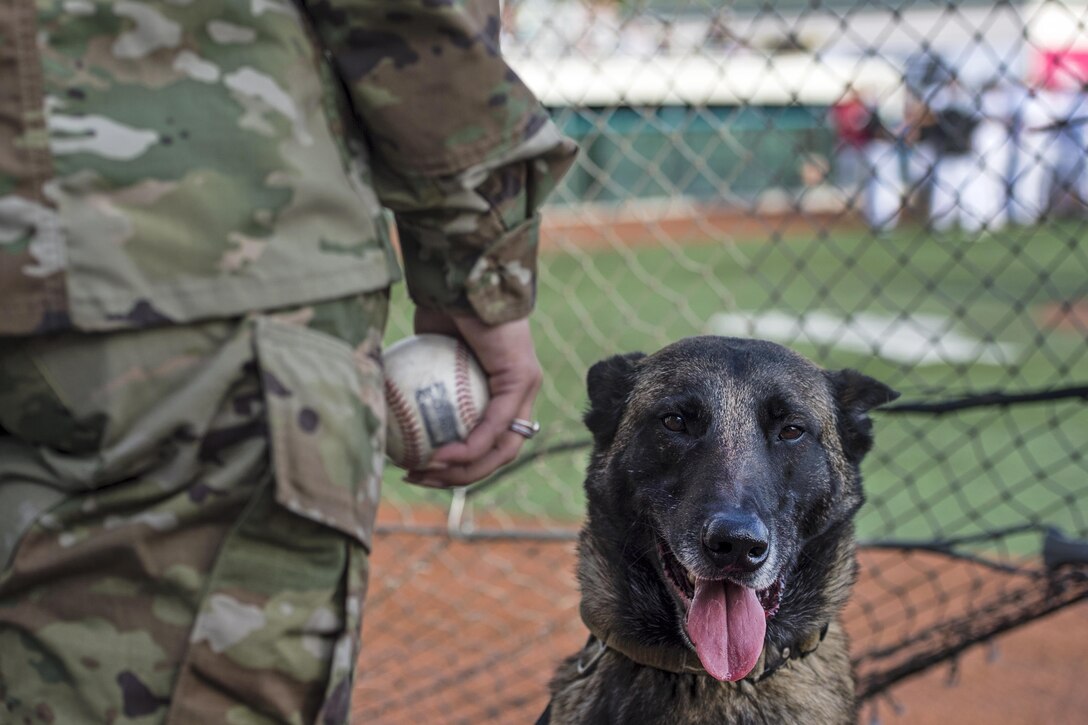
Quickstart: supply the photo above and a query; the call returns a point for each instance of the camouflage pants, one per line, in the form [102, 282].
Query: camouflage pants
[185, 518]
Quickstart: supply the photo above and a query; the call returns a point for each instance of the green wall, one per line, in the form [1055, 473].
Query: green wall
[702, 153]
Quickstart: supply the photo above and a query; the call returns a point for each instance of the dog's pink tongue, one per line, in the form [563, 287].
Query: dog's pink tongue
[727, 625]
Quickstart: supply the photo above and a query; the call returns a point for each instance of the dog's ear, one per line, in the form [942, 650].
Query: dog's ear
[856, 395]
[609, 382]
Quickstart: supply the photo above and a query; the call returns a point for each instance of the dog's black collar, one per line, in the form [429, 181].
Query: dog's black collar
[767, 666]
[770, 661]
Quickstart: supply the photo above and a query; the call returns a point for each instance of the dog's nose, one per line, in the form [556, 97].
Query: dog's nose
[737, 541]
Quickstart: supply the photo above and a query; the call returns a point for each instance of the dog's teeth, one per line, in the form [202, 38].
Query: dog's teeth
[691, 578]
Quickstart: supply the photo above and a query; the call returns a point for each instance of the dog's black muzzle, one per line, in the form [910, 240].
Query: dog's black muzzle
[736, 541]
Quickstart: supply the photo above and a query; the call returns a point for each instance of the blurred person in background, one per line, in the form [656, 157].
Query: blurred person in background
[1069, 129]
[195, 265]
[1079, 125]
[884, 185]
[1043, 115]
[850, 117]
[953, 122]
[985, 197]
[923, 77]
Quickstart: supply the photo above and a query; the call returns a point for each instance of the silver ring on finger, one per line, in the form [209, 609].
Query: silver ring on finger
[525, 428]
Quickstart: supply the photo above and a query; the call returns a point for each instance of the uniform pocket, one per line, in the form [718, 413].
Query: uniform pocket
[326, 419]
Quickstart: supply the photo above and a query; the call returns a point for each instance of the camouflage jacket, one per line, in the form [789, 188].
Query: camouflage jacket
[170, 161]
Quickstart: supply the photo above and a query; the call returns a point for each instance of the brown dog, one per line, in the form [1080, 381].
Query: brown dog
[718, 547]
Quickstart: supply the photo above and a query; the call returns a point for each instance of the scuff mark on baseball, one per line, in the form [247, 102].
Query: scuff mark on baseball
[435, 393]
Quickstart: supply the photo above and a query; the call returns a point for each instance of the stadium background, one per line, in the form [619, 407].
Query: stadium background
[717, 193]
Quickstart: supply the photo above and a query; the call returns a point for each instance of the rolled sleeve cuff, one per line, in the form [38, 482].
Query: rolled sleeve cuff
[500, 285]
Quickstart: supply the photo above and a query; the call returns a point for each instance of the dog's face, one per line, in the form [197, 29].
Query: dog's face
[717, 463]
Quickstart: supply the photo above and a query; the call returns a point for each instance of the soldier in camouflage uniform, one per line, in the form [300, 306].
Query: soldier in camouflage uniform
[194, 273]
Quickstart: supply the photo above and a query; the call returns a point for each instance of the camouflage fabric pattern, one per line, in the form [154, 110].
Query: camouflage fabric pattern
[173, 161]
[191, 509]
[478, 256]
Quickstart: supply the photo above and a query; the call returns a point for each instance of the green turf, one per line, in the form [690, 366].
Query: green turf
[928, 477]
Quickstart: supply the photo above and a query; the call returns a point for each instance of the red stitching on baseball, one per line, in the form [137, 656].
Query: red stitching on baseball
[411, 435]
[466, 407]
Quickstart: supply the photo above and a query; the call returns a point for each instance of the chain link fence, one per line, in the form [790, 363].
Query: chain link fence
[897, 187]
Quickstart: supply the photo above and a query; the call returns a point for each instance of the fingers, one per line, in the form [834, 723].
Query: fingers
[458, 465]
[507, 355]
[451, 475]
[489, 447]
[493, 430]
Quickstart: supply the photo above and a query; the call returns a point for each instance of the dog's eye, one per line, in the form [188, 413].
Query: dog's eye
[674, 422]
[791, 433]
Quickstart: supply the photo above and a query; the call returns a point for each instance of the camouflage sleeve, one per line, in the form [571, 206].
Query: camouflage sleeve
[461, 150]
[469, 241]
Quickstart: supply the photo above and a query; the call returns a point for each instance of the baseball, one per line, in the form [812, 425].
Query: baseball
[435, 392]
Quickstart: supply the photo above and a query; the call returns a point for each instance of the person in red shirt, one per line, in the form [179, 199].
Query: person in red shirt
[850, 119]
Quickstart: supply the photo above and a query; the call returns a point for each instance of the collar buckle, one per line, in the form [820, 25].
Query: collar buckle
[591, 654]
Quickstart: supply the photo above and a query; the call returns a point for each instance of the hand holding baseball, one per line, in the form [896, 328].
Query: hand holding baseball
[508, 357]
